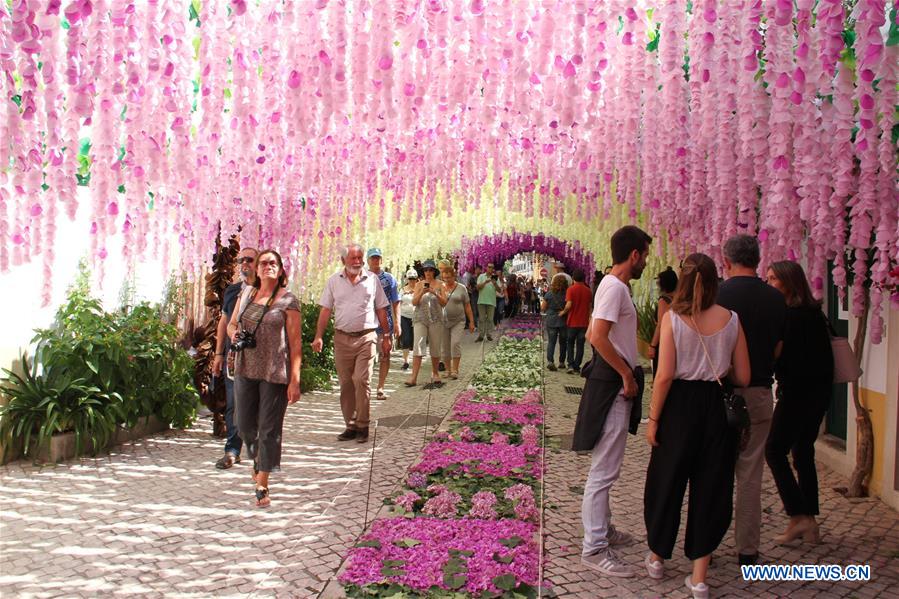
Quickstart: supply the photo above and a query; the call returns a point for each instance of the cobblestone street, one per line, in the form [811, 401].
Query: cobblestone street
[155, 518]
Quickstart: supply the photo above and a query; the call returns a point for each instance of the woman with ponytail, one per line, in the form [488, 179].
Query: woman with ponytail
[700, 344]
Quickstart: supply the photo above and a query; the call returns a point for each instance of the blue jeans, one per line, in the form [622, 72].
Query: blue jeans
[552, 334]
[576, 337]
[234, 443]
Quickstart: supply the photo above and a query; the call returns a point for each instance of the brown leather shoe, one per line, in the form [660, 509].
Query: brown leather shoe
[362, 435]
[348, 435]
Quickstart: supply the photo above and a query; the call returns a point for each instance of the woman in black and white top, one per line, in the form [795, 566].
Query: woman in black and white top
[691, 441]
[407, 310]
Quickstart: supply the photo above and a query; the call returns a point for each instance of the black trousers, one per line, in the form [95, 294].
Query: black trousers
[696, 447]
[794, 429]
[260, 408]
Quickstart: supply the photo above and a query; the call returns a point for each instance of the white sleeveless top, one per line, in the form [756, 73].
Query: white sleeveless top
[691, 363]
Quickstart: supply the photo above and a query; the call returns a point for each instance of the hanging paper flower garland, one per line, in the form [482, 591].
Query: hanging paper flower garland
[310, 123]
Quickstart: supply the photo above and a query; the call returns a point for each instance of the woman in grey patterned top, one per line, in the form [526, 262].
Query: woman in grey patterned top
[427, 321]
[265, 331]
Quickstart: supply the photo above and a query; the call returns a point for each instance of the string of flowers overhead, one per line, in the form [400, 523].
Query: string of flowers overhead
[310, 123]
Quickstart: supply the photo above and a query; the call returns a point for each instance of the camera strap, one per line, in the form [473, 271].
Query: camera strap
[264, 310]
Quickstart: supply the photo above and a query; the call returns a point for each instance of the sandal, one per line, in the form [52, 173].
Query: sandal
[408, 384]
[381, 394]
[262, 498]
[227, 460]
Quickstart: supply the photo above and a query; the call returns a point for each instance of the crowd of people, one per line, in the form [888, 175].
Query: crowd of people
[718, 345]
[714, 339]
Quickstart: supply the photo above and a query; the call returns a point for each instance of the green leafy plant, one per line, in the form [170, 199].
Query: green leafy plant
[317, 367]
[646, 319]
[41, 405]
[132, 353]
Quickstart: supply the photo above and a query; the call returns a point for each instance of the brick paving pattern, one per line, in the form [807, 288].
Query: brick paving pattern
[154, 518]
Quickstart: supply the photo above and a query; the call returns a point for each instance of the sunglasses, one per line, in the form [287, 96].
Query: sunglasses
[246, 260]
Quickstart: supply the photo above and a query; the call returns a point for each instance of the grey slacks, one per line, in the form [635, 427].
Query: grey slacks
[260, 408]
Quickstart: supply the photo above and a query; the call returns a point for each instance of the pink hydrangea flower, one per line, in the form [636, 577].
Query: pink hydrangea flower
[407, 500]
[444, 505]
[416, 480]
[522, 497]
[498, 438]
[482, 504]
[530, 435]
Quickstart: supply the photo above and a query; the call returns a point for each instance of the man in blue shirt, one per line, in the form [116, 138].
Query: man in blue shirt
[222, 367]
[391, 290]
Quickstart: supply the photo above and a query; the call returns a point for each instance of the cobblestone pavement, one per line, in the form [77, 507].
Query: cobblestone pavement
[863, 531]
[155, 518]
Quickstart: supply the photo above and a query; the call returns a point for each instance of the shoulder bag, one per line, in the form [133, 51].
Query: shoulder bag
[845, 364]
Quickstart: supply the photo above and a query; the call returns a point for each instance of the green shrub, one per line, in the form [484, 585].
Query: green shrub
[131, 353]
[317, 368]
[47, 403]
[646, 319]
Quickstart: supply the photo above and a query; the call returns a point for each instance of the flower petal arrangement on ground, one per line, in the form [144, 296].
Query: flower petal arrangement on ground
[513, 368]
[466, 522]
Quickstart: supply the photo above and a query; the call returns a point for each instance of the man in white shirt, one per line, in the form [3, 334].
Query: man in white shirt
[607, 410]
[359, 304]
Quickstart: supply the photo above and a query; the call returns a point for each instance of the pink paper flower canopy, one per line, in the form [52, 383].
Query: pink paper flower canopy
[497, 249]
[312, 122]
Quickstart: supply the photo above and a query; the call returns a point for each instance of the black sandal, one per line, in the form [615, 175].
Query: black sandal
[262, 493]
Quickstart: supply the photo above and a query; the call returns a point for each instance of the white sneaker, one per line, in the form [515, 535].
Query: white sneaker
[655, 569]
[606, 562]
[700, 590]
[617, 537]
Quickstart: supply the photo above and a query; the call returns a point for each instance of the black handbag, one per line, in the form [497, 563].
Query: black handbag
[734, 405]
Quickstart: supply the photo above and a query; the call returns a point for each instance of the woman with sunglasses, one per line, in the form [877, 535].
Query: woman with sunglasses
[429, 300]
[265, 333]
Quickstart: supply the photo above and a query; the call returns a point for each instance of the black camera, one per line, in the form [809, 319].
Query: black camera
[245, 339]
[494, 277]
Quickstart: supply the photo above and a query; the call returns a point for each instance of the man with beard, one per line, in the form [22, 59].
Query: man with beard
[246, 261]
[359, 304]
[607, 411]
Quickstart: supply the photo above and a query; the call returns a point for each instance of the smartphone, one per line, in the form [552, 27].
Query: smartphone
[427, 285]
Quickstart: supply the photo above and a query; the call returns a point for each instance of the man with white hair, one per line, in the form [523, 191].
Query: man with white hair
[355, 297]
[559, 268]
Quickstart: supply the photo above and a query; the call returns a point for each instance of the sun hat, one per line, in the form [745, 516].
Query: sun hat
[411, 274]
[373, 252]
[428, 264]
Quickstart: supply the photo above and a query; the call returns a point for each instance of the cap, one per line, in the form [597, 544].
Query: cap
[428, 264]
[411, 274]
[373, 252]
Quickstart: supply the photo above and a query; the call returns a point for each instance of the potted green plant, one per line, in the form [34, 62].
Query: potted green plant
[646, 324]
[46, 411]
